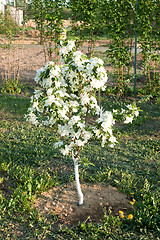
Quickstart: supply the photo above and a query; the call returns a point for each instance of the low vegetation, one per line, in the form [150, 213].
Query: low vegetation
[30, 165]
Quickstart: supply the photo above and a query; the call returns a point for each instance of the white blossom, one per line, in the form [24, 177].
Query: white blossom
[77, 55]
[113, 140]
[47, 82]
[97, 83]
[66, 150]
[114, 111]
[49, 100]
[37, 94]
[70, 45]
[74, 120]
[79, 143]
[129, 106]
[63, 113]
[87, 135]
[84, 98]
[104, 138]
[63, 50]
[97, 132]
[38, 73]
[49, 91]
[81, 125]
[58, 144]
[136, 113]
[69, 95]
[57, 84]
[63, 130]
[129, 119]
[55, 71]
[32, 118]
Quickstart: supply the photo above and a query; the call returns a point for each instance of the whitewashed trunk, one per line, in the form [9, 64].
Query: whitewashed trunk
[78, 187]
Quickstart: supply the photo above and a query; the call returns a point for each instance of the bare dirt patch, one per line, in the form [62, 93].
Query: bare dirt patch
[63, 203]
[26, 56]
[26, 59]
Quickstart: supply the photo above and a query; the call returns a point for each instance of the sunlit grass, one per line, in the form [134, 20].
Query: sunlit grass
[29, 165]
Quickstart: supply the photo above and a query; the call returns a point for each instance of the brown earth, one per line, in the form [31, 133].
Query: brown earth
[25, 56]
[60, 204]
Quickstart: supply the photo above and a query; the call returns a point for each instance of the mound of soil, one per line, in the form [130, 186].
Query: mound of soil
[62, 202]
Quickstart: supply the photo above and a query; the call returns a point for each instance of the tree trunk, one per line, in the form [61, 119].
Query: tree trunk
[78, 187]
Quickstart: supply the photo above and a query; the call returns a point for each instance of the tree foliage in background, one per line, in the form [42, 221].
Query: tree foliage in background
[118, 20]
[7, 25]
[86, 21]
[149, 30]
[48, 17]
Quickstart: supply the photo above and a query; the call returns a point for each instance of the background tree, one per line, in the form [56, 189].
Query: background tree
[118, 17]
[86, 21]
[48, 16]
[148, 28]
[37, 7]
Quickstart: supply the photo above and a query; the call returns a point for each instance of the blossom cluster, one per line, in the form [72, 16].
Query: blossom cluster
[68, 101]
[127, 114]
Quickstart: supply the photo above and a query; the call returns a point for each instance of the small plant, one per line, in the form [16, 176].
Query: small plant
[11, 87]
[147, 209]
[48, 17]
[10, 78]
[68, 104]
[8, 26]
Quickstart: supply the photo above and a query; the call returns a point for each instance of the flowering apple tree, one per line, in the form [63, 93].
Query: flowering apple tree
[67, 102]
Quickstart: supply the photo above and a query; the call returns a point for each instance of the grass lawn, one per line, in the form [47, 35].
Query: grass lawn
[30, 165]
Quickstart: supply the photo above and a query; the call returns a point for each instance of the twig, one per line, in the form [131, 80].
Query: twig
[14, 65]
[2, 69]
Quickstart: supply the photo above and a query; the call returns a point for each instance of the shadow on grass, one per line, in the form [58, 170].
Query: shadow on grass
[14, 105]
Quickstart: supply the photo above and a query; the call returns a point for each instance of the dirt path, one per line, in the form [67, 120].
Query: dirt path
[27, 56]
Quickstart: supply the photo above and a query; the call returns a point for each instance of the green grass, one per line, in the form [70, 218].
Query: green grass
[30, 165]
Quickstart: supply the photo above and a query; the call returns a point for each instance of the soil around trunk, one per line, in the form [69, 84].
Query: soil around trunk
[60, 204]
